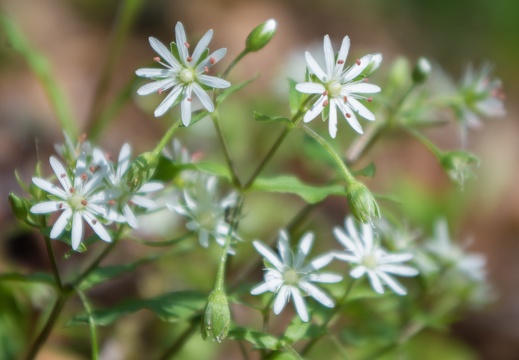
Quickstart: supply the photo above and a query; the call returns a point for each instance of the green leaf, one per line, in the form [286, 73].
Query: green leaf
[267, 118]
[102, 274]
[258, 339]
[234, 88]
[20, 182]
[38, 277]
[66, 238]
[292, 185]
[166, 169]
[295, 97]
[296, 330]
[169, 307]
[368, 171]
[212, 168]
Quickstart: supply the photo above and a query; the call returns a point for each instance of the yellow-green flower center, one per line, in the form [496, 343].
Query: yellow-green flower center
[334, 88]
[186, 76]
[370, 261]
[291, 277]
[77, 202]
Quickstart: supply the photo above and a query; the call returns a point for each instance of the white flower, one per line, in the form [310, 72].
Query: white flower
[183, 75]
[119, 195]
[287, 275]
[371, 259]
[446, 251]
[208, 214]
[338, 88]
[80, 199]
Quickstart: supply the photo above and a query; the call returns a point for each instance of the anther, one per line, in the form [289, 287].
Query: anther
[325, 93]
[111, 202]
[348, 115]
[109, 157]
[82, 138]
[60, 206]
[189, 99]
[189, 58]
[366, 80]
[187, 44]
[160, 91]
[212, 61]
[156, 58]
[206, 69]
[84, 202]
[94, 221]
[84, 177]
[370, 99]
[62, 175]
[357, 62]
[325, 103]
[130, 202]
[345, 99]
[72, 190]
[340, 62]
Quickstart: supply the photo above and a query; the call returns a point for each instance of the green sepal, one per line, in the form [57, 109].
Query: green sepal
[295, 98]
[38, 277]
[234, 88]
[258, 339]
[367, 171]
[275, 119]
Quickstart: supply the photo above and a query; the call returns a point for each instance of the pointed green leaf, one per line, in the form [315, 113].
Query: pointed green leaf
[20, 182]
[295, 98]
[168, 307]
[39, 277]
[292, 185]
[267, 118]
[258, 339]
[368, 171]
[234, 88]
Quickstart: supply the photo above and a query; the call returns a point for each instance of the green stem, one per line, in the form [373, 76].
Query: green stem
[234, 177]
[363, 143]
[166, 138]
[177, 345]
[164, 243]
[124, 21]
[91, 324]
[234, 62]
[293, 352]
[53, 263]
[266, 313]
[426, 142]
[348, 177]
[47, 328]
[330, 320]
[270, 154]
[41, 68]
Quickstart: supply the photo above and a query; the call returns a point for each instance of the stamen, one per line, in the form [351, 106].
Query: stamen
[212, 60]
[370, 99]
[325, 93]
[189, 58]
[325, 103]
[348, 115]
[357, 62]
[156, 58]
[84, 202]
[60, 206]
[130, 202]
[109, 157]
[84, 177]
[72, 190]
[62, 175]
[340, 62]
[82, 138]
[111, 202]
[94, 221]
[92, 169]
[187, 44]
[366, 80]
[345, 99]
[160, 91]
[189, 99]
[206, 69]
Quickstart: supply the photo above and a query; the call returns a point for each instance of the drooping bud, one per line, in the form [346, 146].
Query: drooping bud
[459, 165]
[261, 35]
[421, 70]
[217, 317]
[141, 170]
[362, 203]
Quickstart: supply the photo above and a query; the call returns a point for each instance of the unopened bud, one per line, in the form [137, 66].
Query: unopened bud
[260, 36]
[459, 165]
[141, 170]
[362, 203]
[421, 70]
[217, 317]
[19, 206]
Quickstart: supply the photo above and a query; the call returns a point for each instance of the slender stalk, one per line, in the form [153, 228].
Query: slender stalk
[164, 243]
[53, 263]
[234, 62]
[166, 138]
[91, 324]
[122, 25]
[266, 313]
[338, 160]
[47, 328]
[41, 68]
[426, 142]
[330, 320]
[293, 352]
[216, 122]
[177, 345]
[363, 143]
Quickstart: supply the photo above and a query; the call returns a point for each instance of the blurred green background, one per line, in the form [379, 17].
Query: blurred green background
[75, 35]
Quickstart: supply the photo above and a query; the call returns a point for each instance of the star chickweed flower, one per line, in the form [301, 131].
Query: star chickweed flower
[80, 199]
[287, 275]
[339, 89]
[369, 258]
[185, 74]
[207, 214]
[120, 197]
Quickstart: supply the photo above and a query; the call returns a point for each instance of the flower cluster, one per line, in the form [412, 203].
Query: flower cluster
[92, 190]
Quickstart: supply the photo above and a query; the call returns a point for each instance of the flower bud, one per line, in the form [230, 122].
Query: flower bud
[421, 70]
[141, 170]
[260, 36]
[459, 165]
[217, 317]
[19, 206]
[362, 203]
[398, 75]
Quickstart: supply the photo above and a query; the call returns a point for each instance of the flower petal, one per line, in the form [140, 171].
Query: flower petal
[329, 58]
[268, 254]
[281, 299]
[401, 270]
[130, 217]
[155, 73]
[310, 88]
[316, 109]
[356, 69]
[211, 60]
[168, 101]
[359, 87]
[77, 230]
[259, 289]
[123, 163]
[393, 284]
[98, 228]
[180, 35]
[314, 67]
[144, 202]
[316, 293]
[61, 173]
[203, 97]
[156, 86]
[361, 109]
[325, 278]
[50, 188]
[185, 106]
[299, 304]
[352, 120]
[341, 58]
[165, 53]
[213, 81]
[202, 45]
[376, 284]
[332, 119]
[45, 207]
[60, 224]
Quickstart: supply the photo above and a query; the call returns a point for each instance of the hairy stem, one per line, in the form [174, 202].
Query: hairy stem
[234, 176]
